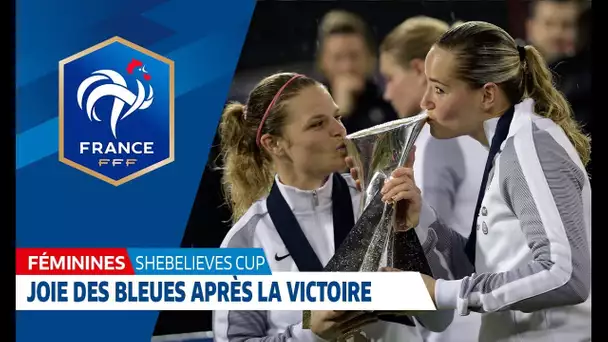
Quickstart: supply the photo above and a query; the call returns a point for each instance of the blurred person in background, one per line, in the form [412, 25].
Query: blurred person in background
[289, 138]
[551, 27]
[573, 76]
[448, 171]
[347, 60]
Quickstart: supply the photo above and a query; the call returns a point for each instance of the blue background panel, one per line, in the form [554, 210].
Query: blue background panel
[58, 206]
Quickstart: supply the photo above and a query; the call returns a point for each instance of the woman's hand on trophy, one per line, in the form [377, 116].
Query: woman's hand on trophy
[354, 172]
[429, 282]
[401, 189]
[330, 325]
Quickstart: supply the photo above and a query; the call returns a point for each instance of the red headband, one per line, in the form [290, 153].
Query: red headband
[274, 99]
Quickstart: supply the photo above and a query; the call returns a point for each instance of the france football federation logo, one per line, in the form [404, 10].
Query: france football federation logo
[116, 111]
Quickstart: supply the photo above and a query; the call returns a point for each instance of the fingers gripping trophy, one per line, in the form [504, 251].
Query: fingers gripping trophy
[380, 238]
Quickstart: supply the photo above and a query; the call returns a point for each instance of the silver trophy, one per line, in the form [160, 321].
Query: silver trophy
[373, 242]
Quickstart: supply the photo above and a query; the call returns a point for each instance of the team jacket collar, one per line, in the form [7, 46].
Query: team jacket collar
[524, 108]
[306, 200]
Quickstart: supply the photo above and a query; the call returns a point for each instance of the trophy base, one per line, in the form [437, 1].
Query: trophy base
[353, 336]
[368, 316]
[306, 319]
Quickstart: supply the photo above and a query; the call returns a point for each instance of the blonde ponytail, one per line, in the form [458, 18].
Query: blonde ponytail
[247, 173]
[551, 103]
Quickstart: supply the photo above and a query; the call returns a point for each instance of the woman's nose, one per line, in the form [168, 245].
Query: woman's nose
[425, 103]
[338, 129]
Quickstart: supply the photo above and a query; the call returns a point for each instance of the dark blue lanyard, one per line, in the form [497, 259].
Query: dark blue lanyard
[502, 130]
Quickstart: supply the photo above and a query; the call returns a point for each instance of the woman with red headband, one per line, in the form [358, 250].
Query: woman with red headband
[283, 152]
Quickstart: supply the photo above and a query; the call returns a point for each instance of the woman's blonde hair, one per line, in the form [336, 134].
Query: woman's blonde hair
[413, 39]
[485, 53]
[248, 172]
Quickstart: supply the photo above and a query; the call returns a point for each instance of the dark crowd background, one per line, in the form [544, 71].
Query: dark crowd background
[283, 36]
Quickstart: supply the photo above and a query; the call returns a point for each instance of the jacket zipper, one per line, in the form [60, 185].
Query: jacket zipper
[315, 199]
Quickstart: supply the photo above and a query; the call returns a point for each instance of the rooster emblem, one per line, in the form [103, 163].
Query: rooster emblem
[118, 90]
